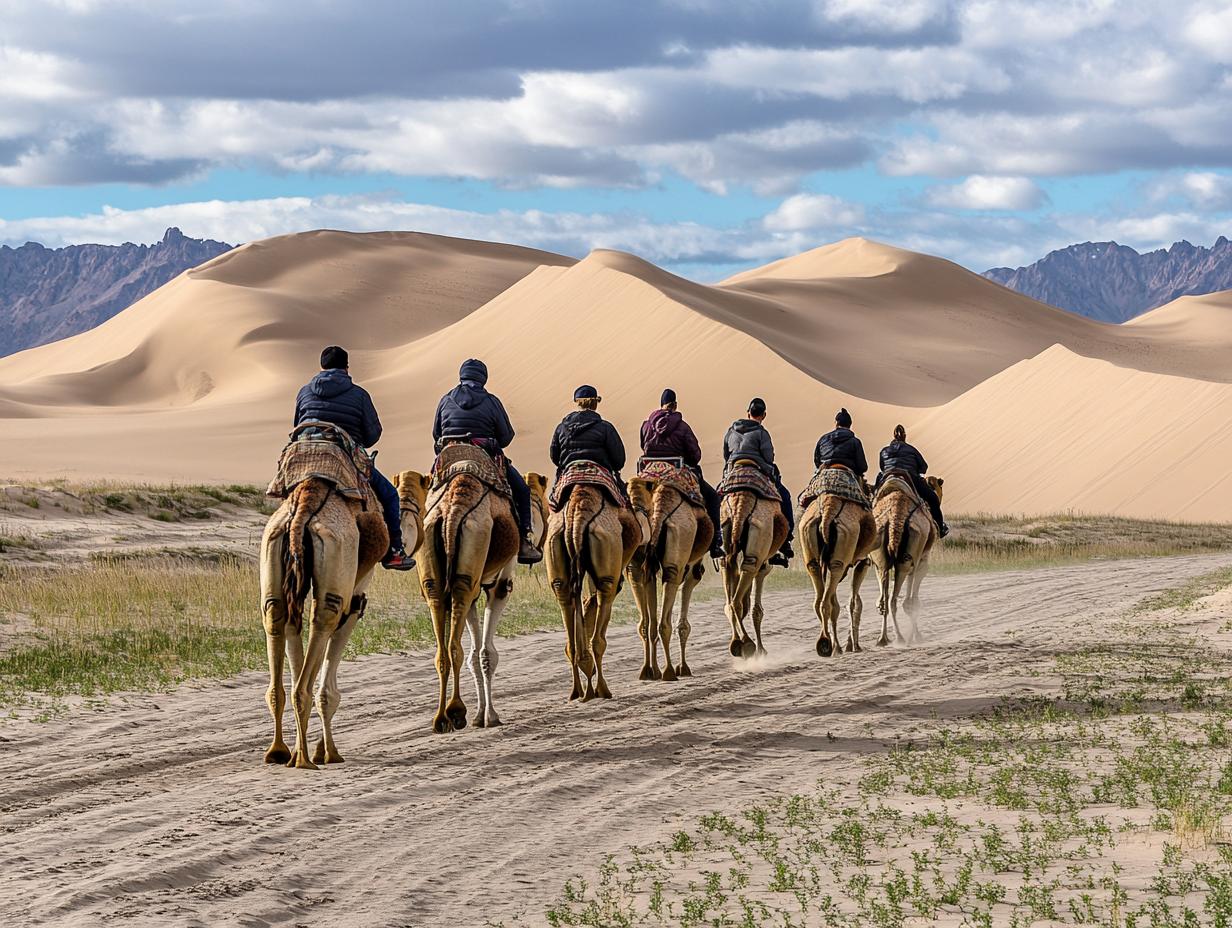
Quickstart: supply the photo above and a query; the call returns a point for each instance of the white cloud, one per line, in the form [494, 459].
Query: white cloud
[980, 191]
[1210, 29]
[1204, 191]
[806, 211]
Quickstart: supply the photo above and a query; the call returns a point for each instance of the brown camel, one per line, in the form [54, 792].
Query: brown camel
[589, 544]
[906, 534]
[640, 495]
[756, 528]
[680, 534]
[470, 535]
[320, 539]
[836, 536]
[412, 496]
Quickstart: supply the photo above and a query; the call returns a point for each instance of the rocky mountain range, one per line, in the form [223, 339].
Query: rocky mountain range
[51, 293]
[1113, 283]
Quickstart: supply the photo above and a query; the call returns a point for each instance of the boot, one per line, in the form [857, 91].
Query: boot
[945, 530]
[528, 553]
[783, 556]
[720, 543]
[398, 559]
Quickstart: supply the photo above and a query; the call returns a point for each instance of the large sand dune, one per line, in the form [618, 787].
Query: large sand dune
[196, 381]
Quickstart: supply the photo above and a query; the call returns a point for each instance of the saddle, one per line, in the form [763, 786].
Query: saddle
[671, 472]
[458, 458]
[899, 481]
[834, 480]
[585, 473]
[327, 452]
[746, 475]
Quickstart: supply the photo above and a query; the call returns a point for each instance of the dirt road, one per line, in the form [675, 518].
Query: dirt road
[159, 811]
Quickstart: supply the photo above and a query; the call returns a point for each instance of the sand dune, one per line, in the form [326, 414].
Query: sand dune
[196, 381]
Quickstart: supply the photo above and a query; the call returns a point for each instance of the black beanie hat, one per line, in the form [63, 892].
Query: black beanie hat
[757, 406]
[475, 370]
[843, 419]
[669, 396]
[334, 358]
[585, 392]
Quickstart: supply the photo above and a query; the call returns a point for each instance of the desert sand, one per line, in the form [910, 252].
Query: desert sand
[1023, 407]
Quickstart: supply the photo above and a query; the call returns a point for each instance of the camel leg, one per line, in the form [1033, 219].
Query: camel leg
[607, 597]
[585, 635]
[466, 592]
[901, 575]
[830, 606]
[856, 606]
[488, 655]
[326, 613]
[731, 584]
[646, 626]
[742, 644]
[328, 693]
[274, 618]
[758, 612]
[883, 604]
[683, 627]
[567, 602]
[472, 661]
[913, 597]
[671, 584]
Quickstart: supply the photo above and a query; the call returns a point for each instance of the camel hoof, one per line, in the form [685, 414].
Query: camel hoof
[603, 692]
[669, 674]
[882, 642]
[278, 753]
[457, 717]
[300, 761]
[576, 693]
[761, 652]
[656, 673]
[854, 648]
[735, 647]
[441, 725]
[318, 753]
[479, 722]
[646, 674]
[748, 647]
[824, 648]
[492, 721]
[683, 670]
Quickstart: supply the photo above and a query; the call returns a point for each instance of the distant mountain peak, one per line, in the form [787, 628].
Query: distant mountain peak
[1114, 283]
[51, 293]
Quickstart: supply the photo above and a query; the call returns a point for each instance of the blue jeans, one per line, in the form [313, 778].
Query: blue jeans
[387, 493]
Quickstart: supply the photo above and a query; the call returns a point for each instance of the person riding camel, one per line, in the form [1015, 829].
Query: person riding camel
[900, 456]
[331, 396]
[665, 434]
[748, 440]
[841, 447]
[584, 435]
[469, 412]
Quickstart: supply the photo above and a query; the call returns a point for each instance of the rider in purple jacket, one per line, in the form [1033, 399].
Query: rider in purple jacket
[665, 434]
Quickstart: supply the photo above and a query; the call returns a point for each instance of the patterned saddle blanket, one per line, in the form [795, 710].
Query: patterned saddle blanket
[896, 482]
[671, 474]
[748, 477]
[322, 450]
[834, 481]
[586, 473]
[458, 459]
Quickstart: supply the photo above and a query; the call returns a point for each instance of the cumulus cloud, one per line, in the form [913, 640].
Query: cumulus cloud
[809, 211]
[1204, 191]
[980, 191]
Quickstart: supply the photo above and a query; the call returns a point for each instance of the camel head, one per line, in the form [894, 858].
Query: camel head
[641, 491]
[539, 504]
[936, 483]
[412, 494]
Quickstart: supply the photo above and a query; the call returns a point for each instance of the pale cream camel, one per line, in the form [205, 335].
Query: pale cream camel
[906, 534]
[412, 497]
[836, 536]
[754, 528]
[680, 535]
[640, 496]
[589, 544]
[321, 540]
[470, 536]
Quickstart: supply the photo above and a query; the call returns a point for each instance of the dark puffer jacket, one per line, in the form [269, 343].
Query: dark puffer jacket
[470, 409]
[666, 435]
[841, 447]
[748, 439]
[586, 436]
[331, 396]
[898, 455]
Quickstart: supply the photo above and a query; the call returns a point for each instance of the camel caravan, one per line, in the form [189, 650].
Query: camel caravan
[472, 518]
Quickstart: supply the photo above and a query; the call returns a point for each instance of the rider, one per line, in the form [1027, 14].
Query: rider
[584, 435]
[898, 455]
[331, 396]
[665, 434]
[841, 447]
[469, 411]
[748, 440]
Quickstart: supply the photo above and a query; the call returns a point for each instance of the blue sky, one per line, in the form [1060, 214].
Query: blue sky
[704, 136]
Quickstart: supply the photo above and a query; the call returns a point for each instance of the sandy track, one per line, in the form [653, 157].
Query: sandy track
[159, 811]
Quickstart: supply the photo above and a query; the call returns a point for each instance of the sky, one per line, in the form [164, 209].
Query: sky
[704, 136]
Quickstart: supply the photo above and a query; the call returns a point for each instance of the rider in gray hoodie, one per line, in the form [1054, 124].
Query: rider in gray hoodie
[748, 440]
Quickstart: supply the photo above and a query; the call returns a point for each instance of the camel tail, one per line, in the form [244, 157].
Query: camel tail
[827, 527]
[307, 500]
[582, 510]
[898, 533]
[742, 508]
[451, 528]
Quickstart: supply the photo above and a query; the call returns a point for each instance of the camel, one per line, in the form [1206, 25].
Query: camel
[836, 536]
[680, 535]
[906, 534]
[320, 539]
[473, 544]
[754, 528]
[589, 543]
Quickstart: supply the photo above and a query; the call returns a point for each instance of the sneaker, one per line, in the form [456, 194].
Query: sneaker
[945, 530]
[779, 559]
[528, 553]
[716, 551]
[398, 559]
[786, 550]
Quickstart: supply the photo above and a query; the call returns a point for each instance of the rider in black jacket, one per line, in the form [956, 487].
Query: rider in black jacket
[841, 447]
[469, 410]
[331, 396]
[584, 435]
[900, 456]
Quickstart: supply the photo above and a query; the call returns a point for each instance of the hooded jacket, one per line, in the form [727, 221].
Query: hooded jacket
[331, 396]
[665, 434]
[748, 439]
[469, 409]
[841, 447]
[898, 455]
[586, 436]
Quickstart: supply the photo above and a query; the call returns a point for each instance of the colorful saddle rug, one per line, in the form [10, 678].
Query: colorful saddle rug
[671, 474]
[585, 473]
[897, 482]
[458, 459]
[750, 478]
[321, 450]
[834, 481]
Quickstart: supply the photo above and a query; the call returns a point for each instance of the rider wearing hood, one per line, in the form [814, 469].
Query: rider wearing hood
[748, 440]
